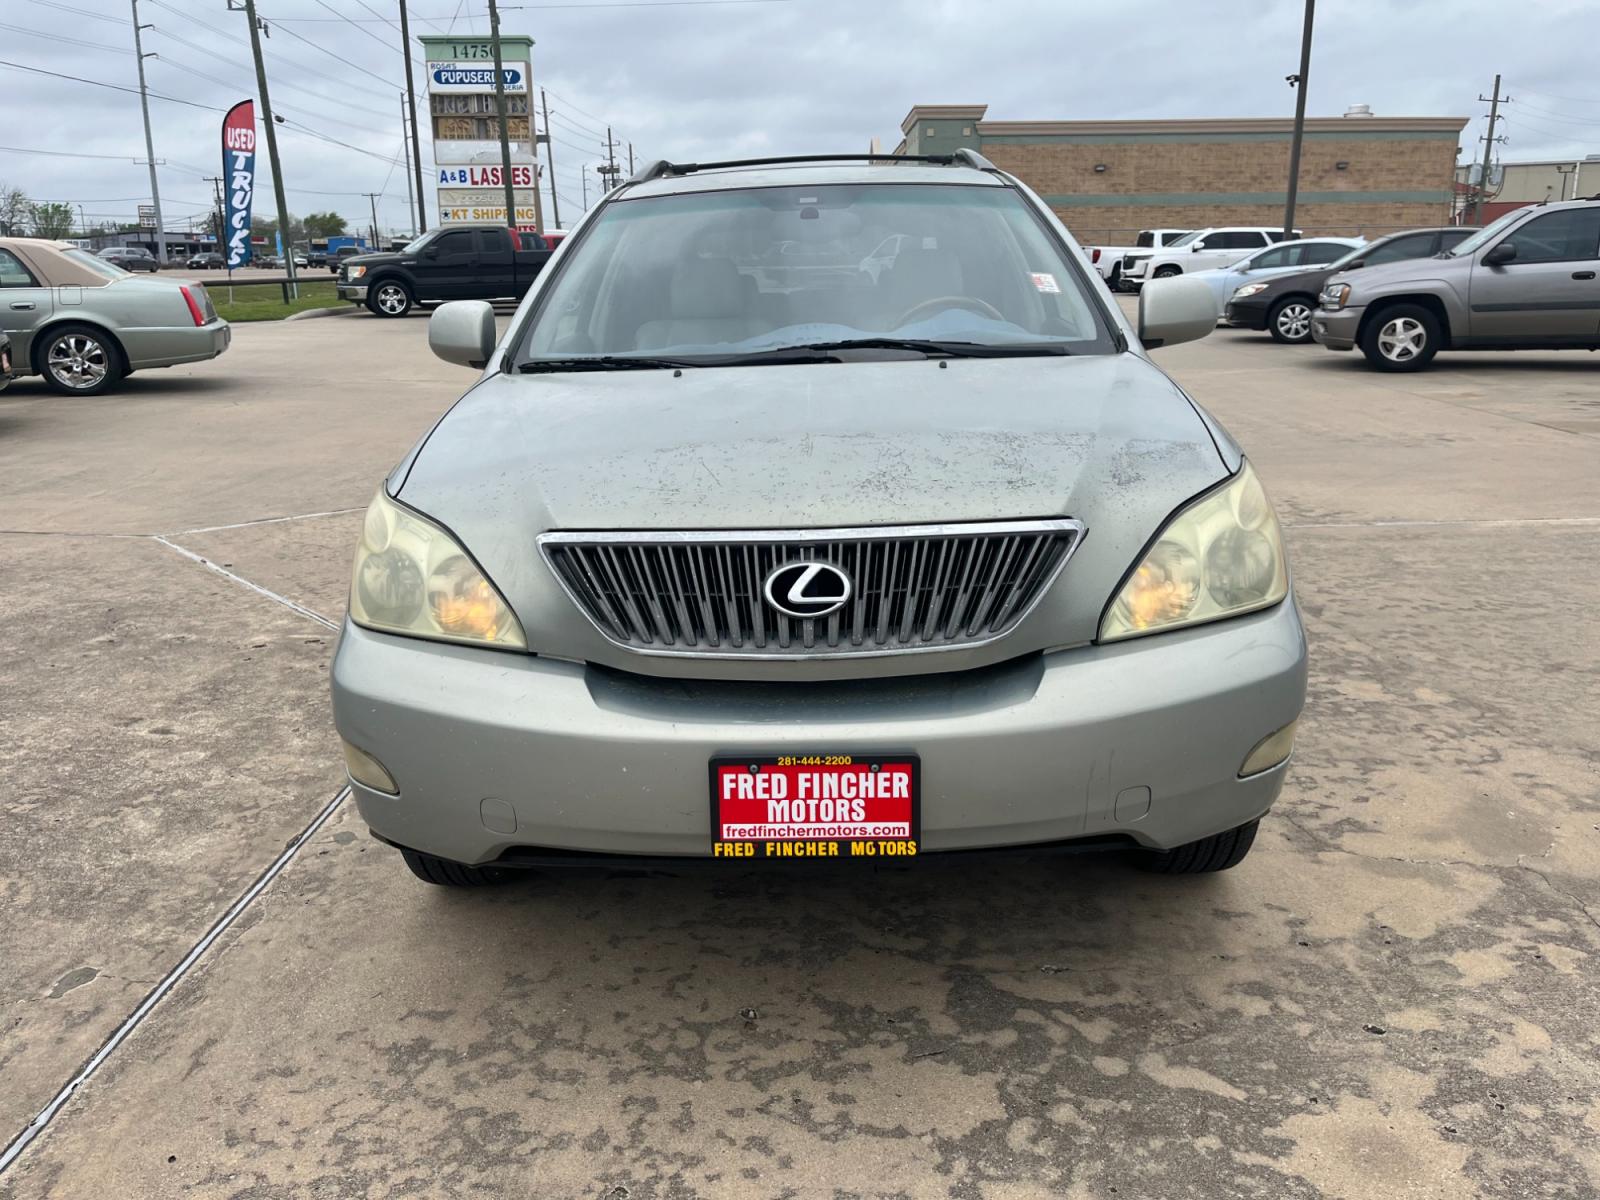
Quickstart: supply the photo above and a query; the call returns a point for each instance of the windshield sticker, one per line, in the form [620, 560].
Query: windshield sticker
[1045, 283]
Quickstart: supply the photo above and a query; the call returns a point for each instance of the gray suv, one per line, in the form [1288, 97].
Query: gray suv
[1525, 282]
[737, 550]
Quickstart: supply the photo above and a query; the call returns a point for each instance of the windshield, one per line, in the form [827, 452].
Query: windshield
[418, 243]
[755, 271]
[93, 262]
[1187, 238]
[1487, 233]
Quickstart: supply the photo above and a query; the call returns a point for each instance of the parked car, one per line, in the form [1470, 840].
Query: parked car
[130, 258]
[708, 567]
[452, 263]
[316, 258]
[5, 361]
[1524, 282]
[300, 260]
[84, 323]
[1108, 260]
[1274, 260]
[1283, 305]
[206, 260]
[1199, 250]
[267, 262]
[554, 237]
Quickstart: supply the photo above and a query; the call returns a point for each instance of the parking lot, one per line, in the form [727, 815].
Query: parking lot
[1396, 995]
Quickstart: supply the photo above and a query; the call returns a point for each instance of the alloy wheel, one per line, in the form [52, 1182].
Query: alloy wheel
[392, 299]
[1294, 321]
[1402, 339]
[77, 361]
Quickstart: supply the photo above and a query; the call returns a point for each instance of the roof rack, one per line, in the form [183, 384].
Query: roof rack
[959, 158]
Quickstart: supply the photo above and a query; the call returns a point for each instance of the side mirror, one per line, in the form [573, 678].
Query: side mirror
[1503, 253]
[1180, 309]
[1196, 247]
[462, 332]
[431, 251]
[1355, 266]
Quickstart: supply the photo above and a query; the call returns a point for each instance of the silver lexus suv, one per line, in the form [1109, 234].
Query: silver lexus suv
[819, 510]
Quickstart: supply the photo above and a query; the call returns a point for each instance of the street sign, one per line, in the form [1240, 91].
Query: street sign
[147, 216]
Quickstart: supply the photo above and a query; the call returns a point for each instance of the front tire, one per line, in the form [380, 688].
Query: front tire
[79, 360]
[1289, 321]
[442, 872]
[1215, 853]
[1402, 337]
[390, 298]
[1167, 272]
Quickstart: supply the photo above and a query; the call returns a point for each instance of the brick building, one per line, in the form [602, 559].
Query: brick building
[1359, 174]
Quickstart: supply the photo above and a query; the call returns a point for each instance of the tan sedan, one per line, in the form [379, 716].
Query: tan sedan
[84, 323]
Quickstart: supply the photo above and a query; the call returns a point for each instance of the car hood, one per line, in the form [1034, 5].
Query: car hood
[1434, 270]
[376, 258]
[1107, 439]
[1295, 281]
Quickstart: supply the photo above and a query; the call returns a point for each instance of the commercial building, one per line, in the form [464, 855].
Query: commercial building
[1519, 184]
[1359, 173]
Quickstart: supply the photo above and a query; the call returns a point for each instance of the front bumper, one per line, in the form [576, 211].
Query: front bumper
[1246, 314]
[354, 292]
[1336, 330]
[1041, 749]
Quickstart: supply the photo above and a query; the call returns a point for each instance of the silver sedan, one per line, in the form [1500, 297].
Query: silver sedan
[84, 323]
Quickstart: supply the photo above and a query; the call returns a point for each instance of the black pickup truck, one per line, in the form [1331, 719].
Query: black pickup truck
[456, 262]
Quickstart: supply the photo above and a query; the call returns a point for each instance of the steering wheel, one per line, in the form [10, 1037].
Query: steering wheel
[971, 303]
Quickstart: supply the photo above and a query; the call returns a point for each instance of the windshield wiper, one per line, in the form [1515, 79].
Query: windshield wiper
[604, 362]
[930, 347]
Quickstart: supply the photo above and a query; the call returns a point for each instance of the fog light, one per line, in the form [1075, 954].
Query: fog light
[1269, 752]
[368, 771]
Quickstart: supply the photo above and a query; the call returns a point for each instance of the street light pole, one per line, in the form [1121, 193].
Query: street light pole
[1299, 82]
[149, 142]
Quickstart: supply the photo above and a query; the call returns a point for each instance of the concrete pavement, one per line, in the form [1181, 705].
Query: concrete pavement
[1394, 996]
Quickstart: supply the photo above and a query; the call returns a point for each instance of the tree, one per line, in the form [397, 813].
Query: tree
[14, 208]
[324, 225]
[51, 220]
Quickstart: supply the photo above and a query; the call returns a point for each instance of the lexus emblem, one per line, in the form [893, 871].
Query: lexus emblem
[807, 590]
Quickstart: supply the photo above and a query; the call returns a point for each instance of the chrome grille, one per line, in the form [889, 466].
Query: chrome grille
[916, 587]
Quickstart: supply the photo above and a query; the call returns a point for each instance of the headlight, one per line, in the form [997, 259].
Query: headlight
[410, 577]
[354, 272]
[1249, 289]
[1336, 296]
[1220, 556]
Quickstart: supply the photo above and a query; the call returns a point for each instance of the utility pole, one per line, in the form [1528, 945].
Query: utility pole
[549, 156]
[500, 110]
[411, 107]
[216, 182]
[1300, 83]
[630, 158]
[583, 178]
[149, 142]
[611, 161]
[372, 199]
[412, 200]
[269, 121]
[1494, 99]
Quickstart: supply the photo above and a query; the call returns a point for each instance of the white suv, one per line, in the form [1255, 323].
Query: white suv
[1219, 246]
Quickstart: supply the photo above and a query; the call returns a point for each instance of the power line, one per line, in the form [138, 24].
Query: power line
[114, 87]
[338, 58]
[82, 12]
[71, 41]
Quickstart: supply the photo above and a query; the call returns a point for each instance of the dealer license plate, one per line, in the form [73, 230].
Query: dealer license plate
[815, 806]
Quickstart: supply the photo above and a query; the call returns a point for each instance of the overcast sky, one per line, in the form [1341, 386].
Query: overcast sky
[721, 78]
